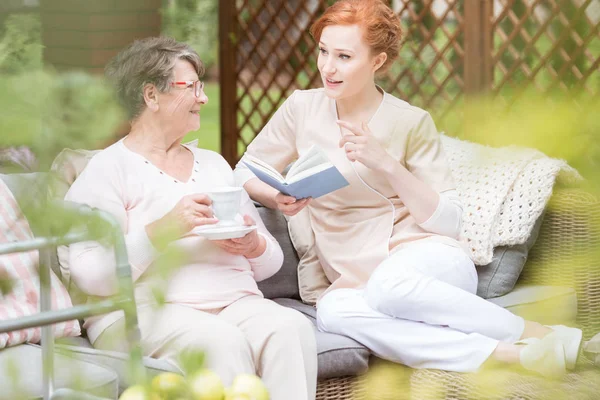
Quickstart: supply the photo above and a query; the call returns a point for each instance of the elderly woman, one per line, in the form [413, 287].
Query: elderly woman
[152, 184]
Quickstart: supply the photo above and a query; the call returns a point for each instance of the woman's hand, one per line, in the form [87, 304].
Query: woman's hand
[191, 211]
[289, 205]
[250, 246]
[363, 147]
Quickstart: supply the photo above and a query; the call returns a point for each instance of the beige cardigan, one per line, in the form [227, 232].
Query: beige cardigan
[353, 226]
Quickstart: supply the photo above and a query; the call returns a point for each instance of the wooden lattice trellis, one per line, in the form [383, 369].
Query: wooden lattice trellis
[547, 44]
[451, 48]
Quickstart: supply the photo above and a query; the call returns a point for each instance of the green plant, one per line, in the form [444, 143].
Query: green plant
[194, 22]
[48, 112]
[21, 44]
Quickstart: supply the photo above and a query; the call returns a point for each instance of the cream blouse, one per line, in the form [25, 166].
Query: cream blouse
[359, 226]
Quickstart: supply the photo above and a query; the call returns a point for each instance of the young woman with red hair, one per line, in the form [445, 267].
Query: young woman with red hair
[401, 283]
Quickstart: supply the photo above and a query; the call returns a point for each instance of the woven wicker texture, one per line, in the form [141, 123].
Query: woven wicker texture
[566, 253]
[344, 388]
[499, 384]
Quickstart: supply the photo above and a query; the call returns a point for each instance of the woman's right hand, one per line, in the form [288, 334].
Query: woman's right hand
[191, 211]
[290, 205]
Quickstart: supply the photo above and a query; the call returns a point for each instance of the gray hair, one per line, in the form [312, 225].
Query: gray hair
[149, 60]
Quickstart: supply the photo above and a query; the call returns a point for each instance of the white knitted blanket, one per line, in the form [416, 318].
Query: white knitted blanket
[503, 192]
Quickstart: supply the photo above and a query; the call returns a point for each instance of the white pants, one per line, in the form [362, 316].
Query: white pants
[252, 335]
[419, 308]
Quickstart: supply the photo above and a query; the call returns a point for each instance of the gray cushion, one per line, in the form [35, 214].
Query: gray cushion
[549, 305]
[21, 374]
[337, 355]
[285, 282]
[500, 276]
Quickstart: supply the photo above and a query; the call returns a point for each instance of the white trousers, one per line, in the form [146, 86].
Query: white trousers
[419, 308]
[252, 335]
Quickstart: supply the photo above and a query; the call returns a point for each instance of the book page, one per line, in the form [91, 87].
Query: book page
[299, 175]
[264, 167]
[314, 159]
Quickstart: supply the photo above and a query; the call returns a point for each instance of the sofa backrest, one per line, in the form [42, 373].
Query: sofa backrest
[29, 189]
[285, 282]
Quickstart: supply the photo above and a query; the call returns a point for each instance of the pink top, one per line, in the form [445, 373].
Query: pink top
[136, 193]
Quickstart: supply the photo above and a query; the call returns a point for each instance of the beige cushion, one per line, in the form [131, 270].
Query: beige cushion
[66, 167]
[549, 305]
[69, 163]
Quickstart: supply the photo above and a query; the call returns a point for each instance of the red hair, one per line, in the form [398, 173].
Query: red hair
[380, 25]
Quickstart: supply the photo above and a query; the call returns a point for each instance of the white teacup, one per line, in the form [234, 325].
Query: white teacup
[226, 203]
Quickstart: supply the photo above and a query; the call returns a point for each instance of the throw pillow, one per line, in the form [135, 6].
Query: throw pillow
[21, 269]
[69, 164]
[66, 167]
[500, 276]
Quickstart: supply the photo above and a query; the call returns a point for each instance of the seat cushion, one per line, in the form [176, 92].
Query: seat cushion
[21, 374]
[337, 355]
[549, 305]
[285, 282]
[81, 349]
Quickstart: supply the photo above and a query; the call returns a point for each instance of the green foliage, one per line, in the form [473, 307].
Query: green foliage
[21, 44]
[6, 284]
[196, 23]
[561, 126]
[191, 360]
[48, 112]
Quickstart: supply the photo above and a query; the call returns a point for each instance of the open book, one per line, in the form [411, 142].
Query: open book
[312, 175]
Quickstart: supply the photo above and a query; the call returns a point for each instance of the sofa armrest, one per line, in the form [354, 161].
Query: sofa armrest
[72, 223]
[567, 252]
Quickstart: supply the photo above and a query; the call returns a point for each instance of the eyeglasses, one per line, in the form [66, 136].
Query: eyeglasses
[197, 85]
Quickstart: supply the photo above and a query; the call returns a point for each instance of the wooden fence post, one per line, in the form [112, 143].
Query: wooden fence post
[228, 37]
[478, 68]
[478, 71]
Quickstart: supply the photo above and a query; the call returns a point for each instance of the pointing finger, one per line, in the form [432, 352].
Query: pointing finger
[366, 128]
[351, 127]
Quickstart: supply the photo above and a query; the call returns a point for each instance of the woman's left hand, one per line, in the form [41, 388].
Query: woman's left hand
[363, 147]
[250, 246]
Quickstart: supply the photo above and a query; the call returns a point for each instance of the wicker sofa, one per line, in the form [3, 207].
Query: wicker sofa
[566, 254]
[559, 285]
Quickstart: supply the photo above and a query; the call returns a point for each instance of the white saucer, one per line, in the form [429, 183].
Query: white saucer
[216, 232]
